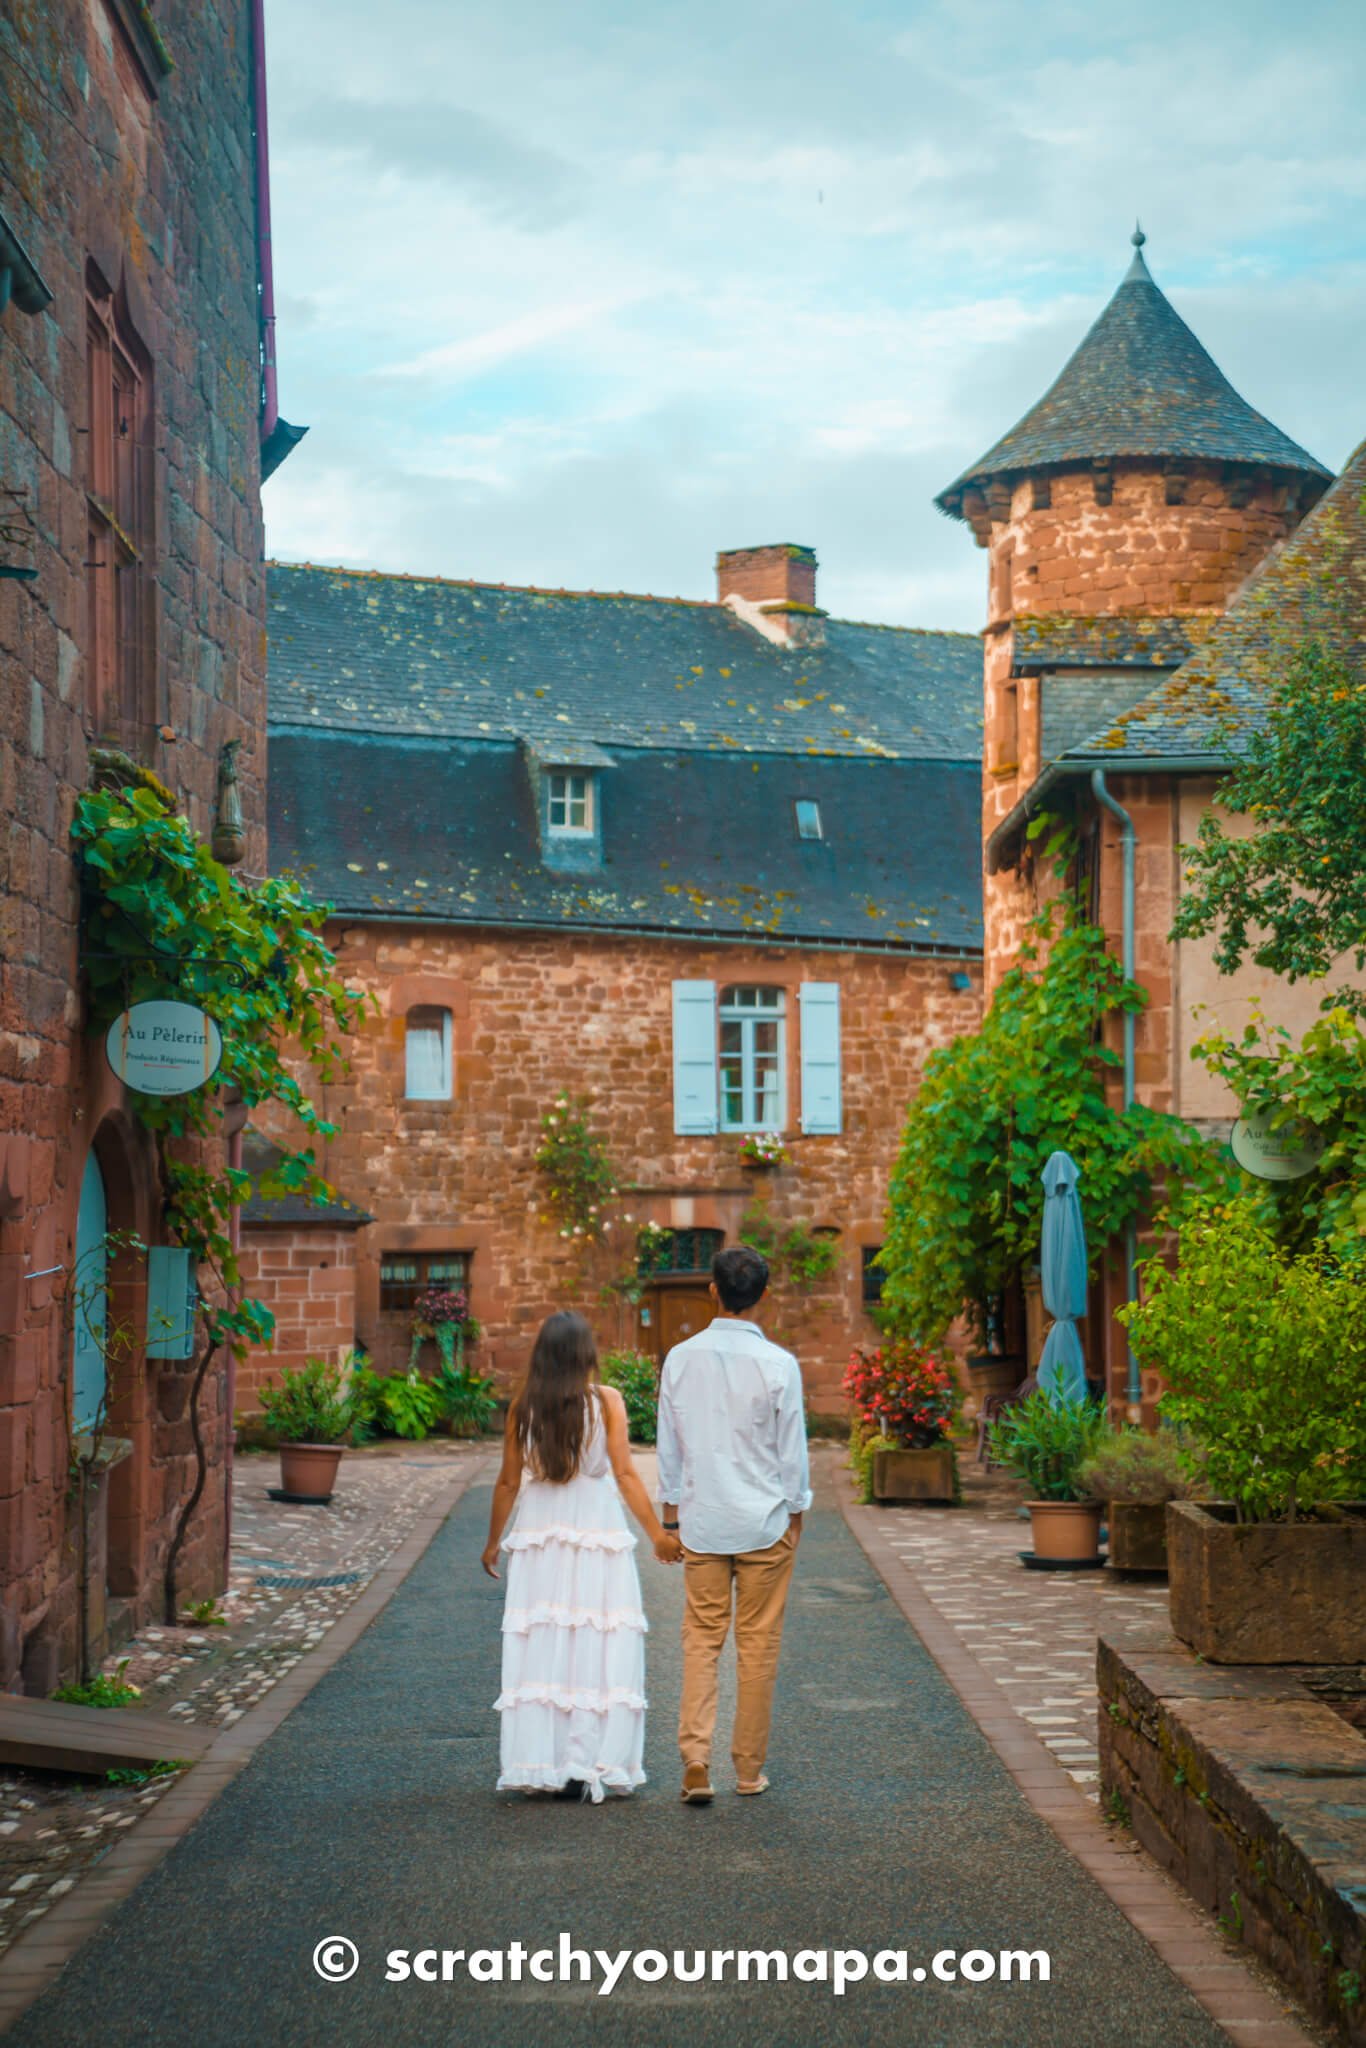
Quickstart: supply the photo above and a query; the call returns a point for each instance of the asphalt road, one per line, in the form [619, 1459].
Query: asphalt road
[371, 1814]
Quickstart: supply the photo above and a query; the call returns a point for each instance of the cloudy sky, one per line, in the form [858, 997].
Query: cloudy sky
[578, 295]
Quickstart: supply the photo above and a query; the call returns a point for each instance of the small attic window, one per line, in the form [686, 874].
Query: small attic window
[808, 818]
[569, 803]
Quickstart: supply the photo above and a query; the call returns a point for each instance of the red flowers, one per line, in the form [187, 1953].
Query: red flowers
[903, 1391]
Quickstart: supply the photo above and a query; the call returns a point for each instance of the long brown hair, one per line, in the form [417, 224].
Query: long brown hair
[552, 1406]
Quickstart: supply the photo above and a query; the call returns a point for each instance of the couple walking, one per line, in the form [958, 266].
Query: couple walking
[734, 1485]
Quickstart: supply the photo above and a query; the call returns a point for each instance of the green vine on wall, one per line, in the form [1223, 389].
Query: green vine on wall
[798, 1254]
[164, 919]
[579, 1178]
[965, 1205]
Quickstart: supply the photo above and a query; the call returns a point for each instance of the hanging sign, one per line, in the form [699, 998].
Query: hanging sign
[164, 1048]
[1287, 1153]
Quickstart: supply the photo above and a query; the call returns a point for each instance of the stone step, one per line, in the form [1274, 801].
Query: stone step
[48, 1735]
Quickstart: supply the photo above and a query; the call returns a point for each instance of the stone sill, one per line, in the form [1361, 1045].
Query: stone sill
[1251, 1791]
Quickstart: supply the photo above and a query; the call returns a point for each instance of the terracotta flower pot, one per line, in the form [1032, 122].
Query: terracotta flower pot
[915, 1475]
[309, 1470]
[1065, 1531]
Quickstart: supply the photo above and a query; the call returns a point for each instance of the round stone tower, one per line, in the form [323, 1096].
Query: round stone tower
[1141, 490]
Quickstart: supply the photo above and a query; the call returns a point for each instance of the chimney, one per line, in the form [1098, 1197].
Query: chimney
[773, 590]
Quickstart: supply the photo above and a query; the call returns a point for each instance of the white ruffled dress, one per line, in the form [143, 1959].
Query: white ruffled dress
[573, 1697]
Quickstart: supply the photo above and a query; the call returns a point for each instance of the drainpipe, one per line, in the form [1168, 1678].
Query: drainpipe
[1128, 840]
[270, 396]
[230, 1381]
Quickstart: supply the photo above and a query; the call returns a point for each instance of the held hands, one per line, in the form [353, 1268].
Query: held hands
[668, 1548]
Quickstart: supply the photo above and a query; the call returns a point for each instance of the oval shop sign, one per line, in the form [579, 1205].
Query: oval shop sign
[164, 1048]
[1284, 1154]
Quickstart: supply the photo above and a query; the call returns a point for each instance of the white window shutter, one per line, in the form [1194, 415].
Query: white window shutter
[427, 1048]
[820, 1012]
[694, 1057]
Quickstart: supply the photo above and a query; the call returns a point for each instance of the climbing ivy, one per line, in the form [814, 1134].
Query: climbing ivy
[578, 1174]
[163, 918]
[966, 1200]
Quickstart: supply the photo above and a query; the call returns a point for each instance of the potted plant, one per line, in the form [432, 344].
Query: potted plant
[1135, 1473]
[905, 1395]
[441, 1315]
[309, 1412]
[1047, 1443]
[1263, 1350]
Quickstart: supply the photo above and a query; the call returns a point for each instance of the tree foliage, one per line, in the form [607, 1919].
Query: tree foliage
[1291, 895]
[965, 1206]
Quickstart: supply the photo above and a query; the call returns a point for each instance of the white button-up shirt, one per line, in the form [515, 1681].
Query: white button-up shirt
[732, 1438]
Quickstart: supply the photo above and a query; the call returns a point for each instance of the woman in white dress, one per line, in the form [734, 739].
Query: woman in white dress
[573, 1697]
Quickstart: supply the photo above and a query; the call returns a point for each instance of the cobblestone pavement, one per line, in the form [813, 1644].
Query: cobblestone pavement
[1033, 1632]
[294, 1572]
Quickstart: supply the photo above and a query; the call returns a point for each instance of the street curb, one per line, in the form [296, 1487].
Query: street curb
[34, 1958]
[1214, 1975]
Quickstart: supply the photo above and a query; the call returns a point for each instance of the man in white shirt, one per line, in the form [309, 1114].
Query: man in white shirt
[734, 1479]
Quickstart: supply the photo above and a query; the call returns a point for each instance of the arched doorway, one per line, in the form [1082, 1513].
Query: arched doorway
[89, 1372]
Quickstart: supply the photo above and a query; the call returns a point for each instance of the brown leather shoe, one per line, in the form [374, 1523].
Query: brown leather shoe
[697, 1789]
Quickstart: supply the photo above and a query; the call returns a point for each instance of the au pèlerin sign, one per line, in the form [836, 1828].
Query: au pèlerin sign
[164, 1048]
[1288, 1152]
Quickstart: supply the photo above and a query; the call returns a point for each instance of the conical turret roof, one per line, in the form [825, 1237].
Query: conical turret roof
[1140, 384]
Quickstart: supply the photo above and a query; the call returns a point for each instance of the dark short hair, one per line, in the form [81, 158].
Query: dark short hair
[741, 1275]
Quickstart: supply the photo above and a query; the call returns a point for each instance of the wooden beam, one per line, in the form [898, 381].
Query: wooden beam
[48, 1735]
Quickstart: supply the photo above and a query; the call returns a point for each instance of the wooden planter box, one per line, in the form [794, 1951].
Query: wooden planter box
[1267, 1592]
[1138, 1535]
[915, 1475]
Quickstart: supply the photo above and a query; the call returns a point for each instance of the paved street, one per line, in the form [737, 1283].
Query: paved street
[370, 1814]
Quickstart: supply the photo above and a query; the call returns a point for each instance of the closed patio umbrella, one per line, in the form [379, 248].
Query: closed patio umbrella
[1062, 1269]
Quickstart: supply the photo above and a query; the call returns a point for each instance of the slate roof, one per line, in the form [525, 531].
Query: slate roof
[361, 652]
[1045, 640]
[260, 1157]
[1139, 384]
[1313, 583]
[694, 843]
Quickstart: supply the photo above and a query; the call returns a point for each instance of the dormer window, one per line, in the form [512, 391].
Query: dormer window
[569, 803]
[808, 818]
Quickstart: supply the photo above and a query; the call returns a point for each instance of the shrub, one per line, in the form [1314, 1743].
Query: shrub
[1264, 1356]
[393, 1404]
[467, 1399]
[864, 1445]
[904, 1392]
[1046, 1443]
[636, 1379]
[1133, 1465]
[308, 1404]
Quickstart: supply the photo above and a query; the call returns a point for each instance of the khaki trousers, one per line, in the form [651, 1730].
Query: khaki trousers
[757, 1583]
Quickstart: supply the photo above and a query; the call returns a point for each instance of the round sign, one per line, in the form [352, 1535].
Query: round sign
[164, 1048]
[1287, 1153]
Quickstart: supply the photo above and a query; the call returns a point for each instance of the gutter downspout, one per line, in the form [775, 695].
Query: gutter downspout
[270, 395]
[1128, 849]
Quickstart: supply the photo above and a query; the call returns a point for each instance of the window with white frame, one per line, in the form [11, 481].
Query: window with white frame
[752, 1028]
[427, 1061]
[569, 801]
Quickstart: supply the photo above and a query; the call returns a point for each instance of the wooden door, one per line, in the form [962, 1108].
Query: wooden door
[674, 1313]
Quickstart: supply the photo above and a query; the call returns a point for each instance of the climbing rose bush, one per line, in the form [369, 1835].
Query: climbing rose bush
[904, 1391]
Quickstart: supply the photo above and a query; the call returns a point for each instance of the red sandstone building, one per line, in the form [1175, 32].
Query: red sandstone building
[136, 417]
[713, 866]
[1137, 502]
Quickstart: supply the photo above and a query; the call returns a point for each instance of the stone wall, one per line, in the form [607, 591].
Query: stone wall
[536, 1013]
[135, 182]
[306, 1275]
